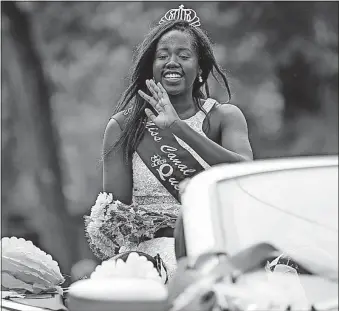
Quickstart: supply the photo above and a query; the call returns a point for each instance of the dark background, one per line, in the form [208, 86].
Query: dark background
[63, 69]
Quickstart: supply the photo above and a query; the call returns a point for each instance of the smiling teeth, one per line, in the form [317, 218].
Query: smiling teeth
[172, 75]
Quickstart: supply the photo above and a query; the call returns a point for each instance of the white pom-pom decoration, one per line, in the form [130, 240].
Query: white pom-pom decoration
[25, 267]
[135, 266]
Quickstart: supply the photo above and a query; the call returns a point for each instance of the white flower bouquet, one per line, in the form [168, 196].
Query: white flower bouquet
[113, 224]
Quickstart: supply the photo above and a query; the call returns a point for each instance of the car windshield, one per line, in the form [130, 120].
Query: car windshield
[296, 211]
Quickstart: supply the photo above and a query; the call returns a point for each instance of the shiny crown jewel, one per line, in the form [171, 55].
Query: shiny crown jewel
[187, 15]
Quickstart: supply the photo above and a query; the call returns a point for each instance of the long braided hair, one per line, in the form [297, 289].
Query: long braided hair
[134, 125]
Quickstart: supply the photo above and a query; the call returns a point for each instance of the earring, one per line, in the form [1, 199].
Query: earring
[200, 79]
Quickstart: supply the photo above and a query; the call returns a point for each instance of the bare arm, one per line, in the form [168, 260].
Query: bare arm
[117, 174]
[235, 145]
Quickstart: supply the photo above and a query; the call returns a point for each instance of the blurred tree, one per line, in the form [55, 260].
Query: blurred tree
[296, 77]
[35, 133]
[290, 30]
[294, 47]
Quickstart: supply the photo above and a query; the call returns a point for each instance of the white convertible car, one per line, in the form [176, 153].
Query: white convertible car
[256, 211]
[261, 235]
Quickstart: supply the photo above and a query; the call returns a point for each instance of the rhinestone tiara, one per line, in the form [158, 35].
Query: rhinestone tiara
[187, 15]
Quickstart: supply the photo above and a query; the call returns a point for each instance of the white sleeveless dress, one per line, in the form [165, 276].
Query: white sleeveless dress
[149, 193]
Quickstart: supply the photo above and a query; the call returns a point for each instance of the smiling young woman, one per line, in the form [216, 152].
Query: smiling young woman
[165, 108]
[176, 64]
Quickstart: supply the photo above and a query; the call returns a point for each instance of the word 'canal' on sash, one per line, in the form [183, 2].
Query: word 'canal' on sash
[168, 161]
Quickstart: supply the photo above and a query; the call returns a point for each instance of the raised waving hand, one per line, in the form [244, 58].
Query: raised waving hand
[161, 104]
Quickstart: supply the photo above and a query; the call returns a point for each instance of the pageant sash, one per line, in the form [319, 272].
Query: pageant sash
[169, 162]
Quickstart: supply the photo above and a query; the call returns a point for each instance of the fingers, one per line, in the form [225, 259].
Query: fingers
[150, 114]
[162, 90]
[151, 86]
[158, 92]
[156, 89]
[149, 99]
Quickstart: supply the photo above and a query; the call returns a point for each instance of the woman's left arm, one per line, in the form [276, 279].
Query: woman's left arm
[235, 145]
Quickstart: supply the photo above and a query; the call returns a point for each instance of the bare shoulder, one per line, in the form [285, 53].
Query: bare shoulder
[230, 114]
[117, 119]
[228, 110]
[113, 130]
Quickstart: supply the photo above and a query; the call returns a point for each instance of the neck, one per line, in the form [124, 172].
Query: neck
[184, 105]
